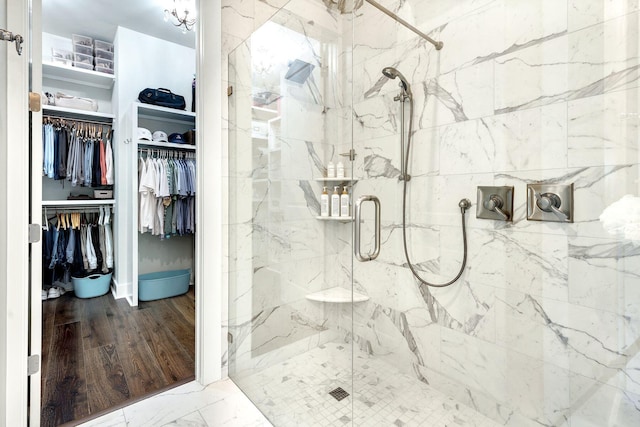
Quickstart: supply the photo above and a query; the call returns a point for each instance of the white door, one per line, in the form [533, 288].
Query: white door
[14, 215]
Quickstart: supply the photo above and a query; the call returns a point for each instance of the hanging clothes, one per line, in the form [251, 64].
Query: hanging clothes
[76, 244]
[166, 193]
[77, 152]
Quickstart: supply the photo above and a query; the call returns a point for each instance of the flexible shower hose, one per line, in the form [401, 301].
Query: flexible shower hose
[463, 209]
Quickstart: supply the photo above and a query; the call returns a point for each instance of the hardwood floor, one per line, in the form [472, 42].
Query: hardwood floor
[99, 353]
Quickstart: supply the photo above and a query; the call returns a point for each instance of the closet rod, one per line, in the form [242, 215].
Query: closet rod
[187, 153]
[88, 209]
[92, 122]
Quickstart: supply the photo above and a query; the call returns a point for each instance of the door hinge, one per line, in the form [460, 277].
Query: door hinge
[33, 364]
[10, 37]
[34, 233]
[351, 154]
[35, 103]
[229, 90]
[229, 337]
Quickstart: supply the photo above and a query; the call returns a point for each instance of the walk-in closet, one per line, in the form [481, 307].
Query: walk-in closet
[118, 206]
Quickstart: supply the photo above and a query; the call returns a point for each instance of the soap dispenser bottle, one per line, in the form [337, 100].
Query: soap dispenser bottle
[335, 202]
[344, 202]
[340, 170]
[324, 202]
[331, 170]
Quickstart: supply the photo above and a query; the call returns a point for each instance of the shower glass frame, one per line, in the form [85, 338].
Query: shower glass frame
[291, 272]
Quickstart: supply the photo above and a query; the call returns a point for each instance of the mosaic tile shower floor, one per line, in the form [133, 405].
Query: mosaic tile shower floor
[296, 393]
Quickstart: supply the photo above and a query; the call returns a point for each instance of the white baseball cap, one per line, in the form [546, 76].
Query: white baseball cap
[144, 133]
[160, 136]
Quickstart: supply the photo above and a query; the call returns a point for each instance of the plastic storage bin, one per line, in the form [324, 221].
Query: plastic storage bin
[104, 69]
[61, 56]
[103, 54]
[82, 59]
[83, 65]
[91, 286]
[83, 49]
[104, 63]
[163, 284]
[99, 44]
[83, 40]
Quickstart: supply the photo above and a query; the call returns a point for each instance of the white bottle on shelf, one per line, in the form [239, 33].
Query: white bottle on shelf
[324, 202]
[331, 170]
[340, 170]
[344, 202]
[335, 202]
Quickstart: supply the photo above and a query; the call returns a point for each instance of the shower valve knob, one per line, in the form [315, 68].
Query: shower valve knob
[550, 202]
[495, 204]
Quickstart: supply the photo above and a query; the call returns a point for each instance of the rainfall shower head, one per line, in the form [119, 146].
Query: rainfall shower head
[392, 73]
[299, 71]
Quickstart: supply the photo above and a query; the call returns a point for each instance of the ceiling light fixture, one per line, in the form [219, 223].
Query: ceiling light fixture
[183, 12]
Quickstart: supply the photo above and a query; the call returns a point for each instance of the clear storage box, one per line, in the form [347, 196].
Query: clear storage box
[82, 40]
[82, 49]
[61, 56]
[104, 63]
[83, 65]
[104, 54]
[99, 44]
[104, 69]
[82, 59]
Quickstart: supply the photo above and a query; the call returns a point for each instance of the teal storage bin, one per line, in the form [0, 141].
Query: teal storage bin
[163, 284]
[91, 286]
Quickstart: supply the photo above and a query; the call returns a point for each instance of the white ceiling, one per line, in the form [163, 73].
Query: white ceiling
[99, 19]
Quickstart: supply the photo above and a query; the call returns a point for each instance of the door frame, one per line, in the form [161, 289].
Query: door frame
[15, 301]
[35, 189]
[14, 218]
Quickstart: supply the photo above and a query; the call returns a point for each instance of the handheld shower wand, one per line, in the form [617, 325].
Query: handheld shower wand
[464, 204]
[392, 73]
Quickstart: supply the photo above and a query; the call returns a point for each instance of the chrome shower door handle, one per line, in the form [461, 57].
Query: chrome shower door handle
[356, 240]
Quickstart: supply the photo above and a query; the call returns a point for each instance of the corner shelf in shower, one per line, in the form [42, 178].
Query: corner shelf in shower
[337, 295]
[342, 179]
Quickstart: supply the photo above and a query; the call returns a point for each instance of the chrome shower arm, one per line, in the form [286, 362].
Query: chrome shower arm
[401, 21]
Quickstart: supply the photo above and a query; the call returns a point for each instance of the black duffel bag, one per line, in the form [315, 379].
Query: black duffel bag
[163, 98]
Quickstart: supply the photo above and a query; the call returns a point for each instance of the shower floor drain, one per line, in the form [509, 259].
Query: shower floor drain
[339, 394]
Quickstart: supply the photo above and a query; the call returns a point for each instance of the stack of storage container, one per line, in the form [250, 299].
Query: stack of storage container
[103, 56]
[85, 54]
[82, 52]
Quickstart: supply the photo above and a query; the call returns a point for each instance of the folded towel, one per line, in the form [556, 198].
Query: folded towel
[622, 218]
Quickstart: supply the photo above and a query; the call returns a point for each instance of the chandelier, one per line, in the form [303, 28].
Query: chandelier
[183, 13]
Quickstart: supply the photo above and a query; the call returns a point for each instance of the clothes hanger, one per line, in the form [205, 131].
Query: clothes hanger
[45, 222]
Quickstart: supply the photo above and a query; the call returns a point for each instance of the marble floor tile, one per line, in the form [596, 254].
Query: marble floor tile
[216, 405]
[296, 393]
[192, 420]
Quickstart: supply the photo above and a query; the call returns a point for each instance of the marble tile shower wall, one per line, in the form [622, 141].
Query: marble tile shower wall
[544, 325]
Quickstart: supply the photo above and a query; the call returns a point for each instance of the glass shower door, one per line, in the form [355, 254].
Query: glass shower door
[290, 290]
